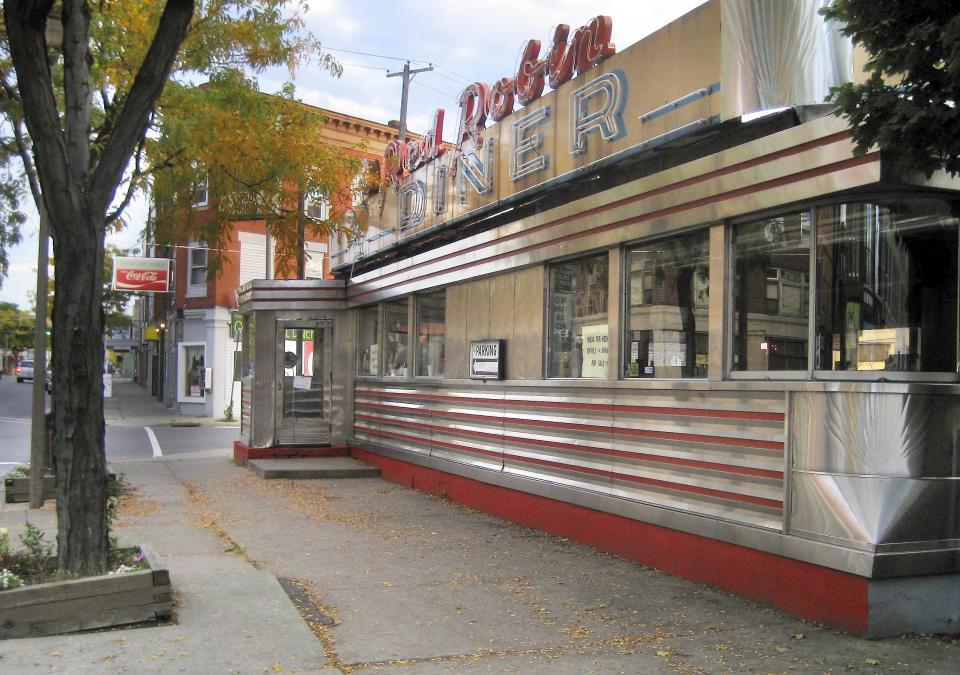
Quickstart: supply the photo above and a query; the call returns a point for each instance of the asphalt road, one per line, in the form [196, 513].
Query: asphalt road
[124, 441]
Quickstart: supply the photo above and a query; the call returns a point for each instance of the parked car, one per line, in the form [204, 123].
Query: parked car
[24, 371]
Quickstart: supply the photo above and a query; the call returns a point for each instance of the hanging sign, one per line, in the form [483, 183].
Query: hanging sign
[141, 274]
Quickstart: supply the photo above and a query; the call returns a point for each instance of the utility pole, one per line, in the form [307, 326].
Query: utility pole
[407, 75]
[38, 423]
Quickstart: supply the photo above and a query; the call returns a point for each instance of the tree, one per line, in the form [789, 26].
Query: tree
[16, 328]
[78, 113]
[255, 157]
[78, 168]
[910, 105]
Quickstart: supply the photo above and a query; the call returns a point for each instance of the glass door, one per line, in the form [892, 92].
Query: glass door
[303, 383]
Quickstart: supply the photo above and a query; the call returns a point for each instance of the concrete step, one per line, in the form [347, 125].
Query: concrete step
[299, 468]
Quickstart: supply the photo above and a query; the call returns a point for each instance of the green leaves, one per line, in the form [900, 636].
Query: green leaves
[909, 104]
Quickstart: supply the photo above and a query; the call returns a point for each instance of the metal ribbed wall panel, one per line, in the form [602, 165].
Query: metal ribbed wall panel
[713, 453]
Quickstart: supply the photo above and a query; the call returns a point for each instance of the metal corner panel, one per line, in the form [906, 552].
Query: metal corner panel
[875, 469]
[882, 434]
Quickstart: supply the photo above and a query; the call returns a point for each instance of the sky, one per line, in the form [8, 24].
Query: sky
[464, 41]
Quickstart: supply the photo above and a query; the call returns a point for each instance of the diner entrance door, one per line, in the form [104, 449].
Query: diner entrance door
[304, 382]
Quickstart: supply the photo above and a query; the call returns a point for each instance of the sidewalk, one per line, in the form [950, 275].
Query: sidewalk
[132, 405]
[416, 584]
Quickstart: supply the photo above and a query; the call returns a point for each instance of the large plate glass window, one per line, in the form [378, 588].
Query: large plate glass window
[396, 329]
[771, 291]
[431, 333]
[668, 297]
[368, 341]
[887, 287]
[578, 328]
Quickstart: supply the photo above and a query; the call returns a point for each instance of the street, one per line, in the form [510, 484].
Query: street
[124, 440]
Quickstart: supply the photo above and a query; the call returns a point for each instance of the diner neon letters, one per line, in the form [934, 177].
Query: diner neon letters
[597, 106]
[407, 156]
[589, 46]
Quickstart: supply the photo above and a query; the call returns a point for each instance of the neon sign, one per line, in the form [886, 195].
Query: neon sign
[595, 106]
[589, 46]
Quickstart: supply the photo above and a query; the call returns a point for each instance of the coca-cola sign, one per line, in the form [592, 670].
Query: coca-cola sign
[141, 274]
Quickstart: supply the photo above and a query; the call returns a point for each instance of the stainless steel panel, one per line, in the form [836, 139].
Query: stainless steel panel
[525, 355]
[853, 561]
[343, 358]
[264, 380]
[478, 310]
[874, 512]
[894, 434]
[502, 310]
[875, 469]
[615, 297]
[456, 345]
[688, 451]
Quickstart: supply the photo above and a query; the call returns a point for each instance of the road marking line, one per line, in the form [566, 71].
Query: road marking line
[228, 426]
[18, 420]
[154, 443]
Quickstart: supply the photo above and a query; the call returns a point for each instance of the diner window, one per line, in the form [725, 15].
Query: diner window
[197, 272]
[887, 287]
[578, 340]
[396, 329]
[771, 266]
[431, 334]
[668, 296]
[368, 347]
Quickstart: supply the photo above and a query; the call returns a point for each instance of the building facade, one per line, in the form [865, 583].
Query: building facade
[190, 358]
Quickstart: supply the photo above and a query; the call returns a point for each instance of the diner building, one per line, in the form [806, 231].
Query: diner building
[662, 308]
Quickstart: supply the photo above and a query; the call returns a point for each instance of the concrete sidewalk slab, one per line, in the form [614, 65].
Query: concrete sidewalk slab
[305, 468]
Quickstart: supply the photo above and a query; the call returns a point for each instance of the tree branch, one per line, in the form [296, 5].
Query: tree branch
[139, 102]
[76, 87]
[26, 23]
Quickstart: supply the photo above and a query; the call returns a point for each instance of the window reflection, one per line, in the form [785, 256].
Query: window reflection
[887, 287]
[368, 348]
[395, 321]
[431, 331]
[578, 343]
[771, 293]
[667, 303]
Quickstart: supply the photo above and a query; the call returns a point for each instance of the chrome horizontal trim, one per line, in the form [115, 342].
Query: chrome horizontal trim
[818, 133]
[267, 305]
[680, 102]
[860, 563]
[752, 387]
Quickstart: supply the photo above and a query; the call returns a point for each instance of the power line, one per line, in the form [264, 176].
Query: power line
[361, 65]
[427, 86]
[376, 56]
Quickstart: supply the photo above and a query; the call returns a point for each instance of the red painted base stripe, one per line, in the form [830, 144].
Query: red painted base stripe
[807, 590]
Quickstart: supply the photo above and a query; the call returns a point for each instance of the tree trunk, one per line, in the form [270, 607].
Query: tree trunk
[78, 426]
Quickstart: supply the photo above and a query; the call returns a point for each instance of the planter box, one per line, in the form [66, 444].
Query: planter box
[81, 604]
[18, 489]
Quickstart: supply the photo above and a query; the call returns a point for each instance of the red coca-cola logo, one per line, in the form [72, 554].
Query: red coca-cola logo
[141, 280]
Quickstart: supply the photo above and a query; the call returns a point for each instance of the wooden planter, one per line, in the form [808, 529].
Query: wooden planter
[81, 604]
[18, 489]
